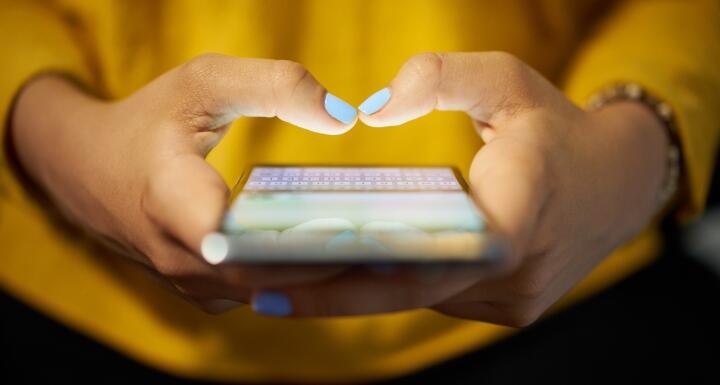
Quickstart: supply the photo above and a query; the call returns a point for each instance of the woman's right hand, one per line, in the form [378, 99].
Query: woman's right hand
[134, 170]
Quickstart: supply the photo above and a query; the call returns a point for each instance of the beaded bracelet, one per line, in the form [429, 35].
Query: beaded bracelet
[663, 111]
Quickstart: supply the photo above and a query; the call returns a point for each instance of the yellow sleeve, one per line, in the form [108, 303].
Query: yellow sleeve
[36, 38]
[672, 48]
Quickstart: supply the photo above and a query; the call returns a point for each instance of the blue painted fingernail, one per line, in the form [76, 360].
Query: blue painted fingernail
[272, 304]
[339, 109]
[375, 102]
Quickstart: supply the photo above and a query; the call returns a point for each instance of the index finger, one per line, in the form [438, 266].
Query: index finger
[226, 88]
[485, 85]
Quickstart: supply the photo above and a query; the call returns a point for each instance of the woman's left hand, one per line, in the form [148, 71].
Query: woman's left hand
[563, 186]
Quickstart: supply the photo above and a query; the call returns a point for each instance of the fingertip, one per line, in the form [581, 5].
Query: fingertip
[214, 248]
[345, 128]
[382, 119]
[338, 118]
[340, 110]
[375, 102]
[373, 109]
[388, 107]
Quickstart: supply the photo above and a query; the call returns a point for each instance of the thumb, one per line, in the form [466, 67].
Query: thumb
[185, 195]
[508, 180]
[221, 89]
[186, 198]
[485, 85]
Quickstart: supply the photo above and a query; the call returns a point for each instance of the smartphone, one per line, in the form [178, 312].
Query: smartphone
[350, 214]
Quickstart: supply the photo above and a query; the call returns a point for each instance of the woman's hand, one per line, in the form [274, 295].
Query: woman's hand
[133, 171]
[565, 187]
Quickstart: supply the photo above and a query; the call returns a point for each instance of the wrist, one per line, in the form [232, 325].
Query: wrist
[638, 143]
[49, 114]
[635, 93]
[639, 123]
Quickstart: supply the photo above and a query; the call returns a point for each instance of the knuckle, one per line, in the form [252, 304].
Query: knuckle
[512, 72]
[508, 62]
[288, 74]
[290, 71]
[195, 79]
[426, 65]
[200, 66]
[517, 78]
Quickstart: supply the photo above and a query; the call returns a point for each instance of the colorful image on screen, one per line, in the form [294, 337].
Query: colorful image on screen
[353, 212]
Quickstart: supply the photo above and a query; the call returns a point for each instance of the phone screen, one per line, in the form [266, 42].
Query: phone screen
[345, 214]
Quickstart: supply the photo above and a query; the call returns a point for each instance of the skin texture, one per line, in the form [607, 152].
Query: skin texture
[115, 167]
[563, 186]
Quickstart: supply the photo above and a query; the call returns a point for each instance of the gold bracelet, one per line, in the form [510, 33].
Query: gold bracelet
[663, 111]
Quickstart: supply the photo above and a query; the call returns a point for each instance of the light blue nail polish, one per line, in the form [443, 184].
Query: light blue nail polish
[339, 109]
[375, 102]
[272, 304]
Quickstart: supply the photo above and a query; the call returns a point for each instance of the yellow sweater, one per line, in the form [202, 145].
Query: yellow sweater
[353, 48]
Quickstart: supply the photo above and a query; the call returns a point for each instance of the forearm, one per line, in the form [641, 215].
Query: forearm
[641, 42]
[49, 116]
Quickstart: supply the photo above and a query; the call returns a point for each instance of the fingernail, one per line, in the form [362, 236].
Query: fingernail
[214, 248]
[339, 109]
[272, 304]
[375, 102]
